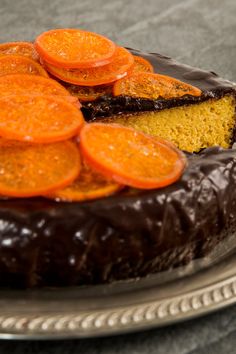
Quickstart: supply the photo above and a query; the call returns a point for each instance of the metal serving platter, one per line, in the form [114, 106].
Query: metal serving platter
[202, 286]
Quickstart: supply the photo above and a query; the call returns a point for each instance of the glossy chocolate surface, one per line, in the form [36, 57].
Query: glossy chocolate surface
[127, 235]
[132, 233]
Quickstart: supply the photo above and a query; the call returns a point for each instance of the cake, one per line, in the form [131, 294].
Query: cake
[134, 232]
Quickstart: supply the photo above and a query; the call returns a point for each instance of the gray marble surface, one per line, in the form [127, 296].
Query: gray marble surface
[197, 32]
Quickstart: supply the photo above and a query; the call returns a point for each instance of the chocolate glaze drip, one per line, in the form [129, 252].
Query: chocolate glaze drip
[211, 84]
[132, 233]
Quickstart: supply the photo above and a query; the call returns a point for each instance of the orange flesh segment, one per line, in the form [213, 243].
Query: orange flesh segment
[16, 64]
[31, 170]
[130, 157]
[89, 185]
[38, 119]
[142, 65]
[74, 48]
[19, 48]
[89, 93]
[117, 69]
[153, 86]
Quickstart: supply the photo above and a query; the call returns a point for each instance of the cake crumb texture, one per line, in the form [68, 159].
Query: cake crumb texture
[190, 128]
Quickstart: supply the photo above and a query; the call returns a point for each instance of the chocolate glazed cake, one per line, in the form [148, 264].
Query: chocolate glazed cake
[133, 233]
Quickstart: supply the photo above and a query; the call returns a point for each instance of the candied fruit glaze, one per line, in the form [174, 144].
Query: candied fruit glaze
[131, 157]
[141, 64]
[70, 46]
[65, 44]
[89, 185]
[38, 118]
[109, 73]
[19, 48]
[89, 93]
[28, 170]
[153, 86]
[16, 64]
[16, 84]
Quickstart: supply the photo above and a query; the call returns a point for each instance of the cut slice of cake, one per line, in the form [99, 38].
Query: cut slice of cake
[190, 122]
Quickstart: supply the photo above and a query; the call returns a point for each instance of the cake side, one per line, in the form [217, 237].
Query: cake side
[189, 127]
[131, 234]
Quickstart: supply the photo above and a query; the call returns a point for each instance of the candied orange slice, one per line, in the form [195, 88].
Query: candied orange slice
[19, 48]
[89, 93]
[141, 64]
[38, 119]
[89, 185]
[16, 64]
[28, 170]
[17, 84]
[130, 157]
[74, 48]
[153, 86]
[118, 68]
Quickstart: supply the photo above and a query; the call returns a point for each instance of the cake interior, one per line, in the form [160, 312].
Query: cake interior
[190, 127]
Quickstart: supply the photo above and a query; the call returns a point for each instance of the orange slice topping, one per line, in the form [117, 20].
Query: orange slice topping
[16, 64]
[153, 86]
[89, 93]
[18, 84]
[130, 157]
[118, 68]
[19, 48]
[141, 64]
[30, 170]
[89, 185]
[38, 119]
[74, 48]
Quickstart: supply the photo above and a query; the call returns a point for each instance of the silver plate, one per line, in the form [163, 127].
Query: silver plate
[203, 286]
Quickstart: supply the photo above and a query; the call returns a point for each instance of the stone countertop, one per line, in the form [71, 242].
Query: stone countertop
[196, 32]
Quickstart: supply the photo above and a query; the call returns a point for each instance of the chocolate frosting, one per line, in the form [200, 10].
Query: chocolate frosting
[132, 233]
[126, 235]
